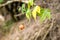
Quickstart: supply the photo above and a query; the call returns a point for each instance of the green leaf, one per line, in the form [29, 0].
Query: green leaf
[34, 14]
[45, 14]
[41, 12]
[48, 14]
[28, 14]
[31, 2]
[1, 1]
[23, 8]
[36, 11]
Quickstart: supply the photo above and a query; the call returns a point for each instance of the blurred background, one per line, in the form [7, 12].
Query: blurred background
[32, 30]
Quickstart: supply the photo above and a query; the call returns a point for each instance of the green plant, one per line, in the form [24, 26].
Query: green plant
[23, 8]
[1, 1]
[28, 14]
[36, 11]
[43, 13]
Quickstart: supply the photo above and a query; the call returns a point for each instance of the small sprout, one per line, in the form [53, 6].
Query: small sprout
[36, 11]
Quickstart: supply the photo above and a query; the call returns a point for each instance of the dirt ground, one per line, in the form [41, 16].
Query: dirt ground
[48, 30]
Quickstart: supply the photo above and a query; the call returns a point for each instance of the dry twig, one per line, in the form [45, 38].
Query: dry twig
[48, 30]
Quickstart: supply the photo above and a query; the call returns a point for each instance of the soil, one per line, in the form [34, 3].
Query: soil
[34, 30]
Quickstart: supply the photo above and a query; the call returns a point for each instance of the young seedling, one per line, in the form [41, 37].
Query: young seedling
[43, 13]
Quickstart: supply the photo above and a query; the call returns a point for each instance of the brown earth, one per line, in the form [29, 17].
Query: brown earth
[48, 30]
